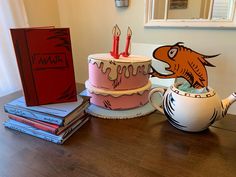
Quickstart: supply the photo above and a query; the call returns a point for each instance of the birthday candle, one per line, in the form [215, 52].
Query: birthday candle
[127, 46]
[116, 38]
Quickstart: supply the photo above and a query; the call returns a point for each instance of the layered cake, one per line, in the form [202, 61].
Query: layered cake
[118, 84]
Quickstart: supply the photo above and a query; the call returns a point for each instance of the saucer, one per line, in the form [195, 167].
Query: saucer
[120, 114]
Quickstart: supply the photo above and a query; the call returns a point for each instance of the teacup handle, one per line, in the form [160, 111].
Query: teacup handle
[161, 92]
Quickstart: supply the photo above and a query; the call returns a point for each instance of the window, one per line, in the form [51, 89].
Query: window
[190, 13]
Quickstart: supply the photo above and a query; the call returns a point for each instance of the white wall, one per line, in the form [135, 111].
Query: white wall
[42, 12]
[91, 24]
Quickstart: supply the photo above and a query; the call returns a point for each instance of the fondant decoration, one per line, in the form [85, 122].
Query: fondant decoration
[116, 38]
[118, 84]
[183, 62]
[191, 112]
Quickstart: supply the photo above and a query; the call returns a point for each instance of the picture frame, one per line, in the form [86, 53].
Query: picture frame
[178, 4]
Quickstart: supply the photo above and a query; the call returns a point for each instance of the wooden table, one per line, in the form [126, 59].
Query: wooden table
[139, 147]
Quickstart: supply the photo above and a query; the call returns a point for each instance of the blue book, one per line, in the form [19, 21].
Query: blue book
[58, 139]
[60, 114]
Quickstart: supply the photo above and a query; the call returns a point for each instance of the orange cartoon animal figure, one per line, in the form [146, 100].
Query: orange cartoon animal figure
[183, 62]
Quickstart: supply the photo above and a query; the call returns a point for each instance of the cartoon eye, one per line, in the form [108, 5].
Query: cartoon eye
[172, 52]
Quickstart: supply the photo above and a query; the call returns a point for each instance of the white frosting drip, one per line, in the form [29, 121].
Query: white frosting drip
[104, 92]
[132, 64]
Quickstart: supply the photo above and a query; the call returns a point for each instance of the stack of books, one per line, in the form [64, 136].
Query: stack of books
[52, 122]
[50, 108]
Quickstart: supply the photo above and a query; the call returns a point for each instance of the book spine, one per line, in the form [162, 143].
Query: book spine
[75, 129]
[46, 123]
[75, 121]
[32, 133]
[76, 113]
[33, 124]
[32, 115]
[19, 39]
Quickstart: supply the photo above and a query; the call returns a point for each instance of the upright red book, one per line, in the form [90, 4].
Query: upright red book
[45, 63]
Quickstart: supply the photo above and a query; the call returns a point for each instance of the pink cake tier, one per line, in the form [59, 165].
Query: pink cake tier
[118, 100]
[124, 73]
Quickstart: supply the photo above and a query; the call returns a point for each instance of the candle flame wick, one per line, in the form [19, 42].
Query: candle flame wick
[114, 30]
[129, 31]
[117, 31]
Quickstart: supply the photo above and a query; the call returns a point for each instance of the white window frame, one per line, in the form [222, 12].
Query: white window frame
[201, 23]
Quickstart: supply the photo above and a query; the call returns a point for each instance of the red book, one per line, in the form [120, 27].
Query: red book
[45, 63]
[51, 128]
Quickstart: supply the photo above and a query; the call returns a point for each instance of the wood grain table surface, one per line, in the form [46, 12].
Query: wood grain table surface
[140, 147]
